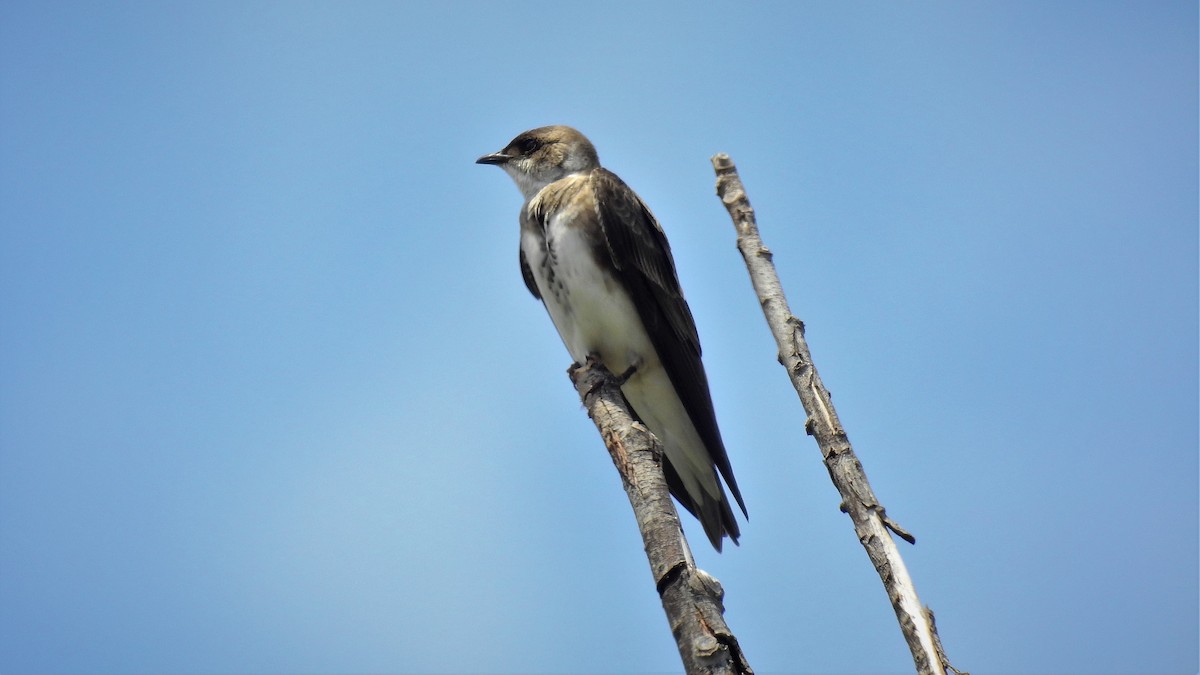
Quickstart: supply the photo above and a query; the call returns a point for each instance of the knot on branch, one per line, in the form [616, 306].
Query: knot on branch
[708, 584]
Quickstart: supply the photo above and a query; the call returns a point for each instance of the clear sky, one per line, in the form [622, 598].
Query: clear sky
[274, 399]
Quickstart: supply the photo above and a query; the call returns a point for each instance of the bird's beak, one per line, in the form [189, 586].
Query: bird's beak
[494, 158]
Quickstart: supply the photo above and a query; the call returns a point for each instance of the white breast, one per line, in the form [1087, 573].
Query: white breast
[590, 309]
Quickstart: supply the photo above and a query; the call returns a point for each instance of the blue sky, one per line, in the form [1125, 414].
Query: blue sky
[274, 399]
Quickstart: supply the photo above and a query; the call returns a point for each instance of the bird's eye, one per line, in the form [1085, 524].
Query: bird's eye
[528, 145]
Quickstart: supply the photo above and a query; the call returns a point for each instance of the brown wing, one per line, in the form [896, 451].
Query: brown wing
[527, 275]
[639, 249]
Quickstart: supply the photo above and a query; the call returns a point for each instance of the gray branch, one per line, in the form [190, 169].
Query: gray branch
[871, 523]
[690, 597]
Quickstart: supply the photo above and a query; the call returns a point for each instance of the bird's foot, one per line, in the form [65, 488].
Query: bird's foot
[628, 373]
[579, 372]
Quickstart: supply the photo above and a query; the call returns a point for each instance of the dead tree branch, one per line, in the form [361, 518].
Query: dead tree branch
[871, 523]
[690, 597]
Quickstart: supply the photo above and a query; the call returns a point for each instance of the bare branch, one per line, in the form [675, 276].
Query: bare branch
[690, 597]
[871, 523]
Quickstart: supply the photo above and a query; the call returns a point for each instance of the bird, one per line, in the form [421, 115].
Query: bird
[594, 254]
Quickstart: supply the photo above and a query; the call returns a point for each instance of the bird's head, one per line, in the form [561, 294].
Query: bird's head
[538, 157]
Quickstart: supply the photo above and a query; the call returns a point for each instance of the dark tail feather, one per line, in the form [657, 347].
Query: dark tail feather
[715, 516]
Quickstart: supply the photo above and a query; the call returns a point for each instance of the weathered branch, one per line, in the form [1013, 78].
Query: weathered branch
[690, 597]
[871, 523]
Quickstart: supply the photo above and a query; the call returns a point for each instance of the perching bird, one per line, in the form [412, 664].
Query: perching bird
[593, 253]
